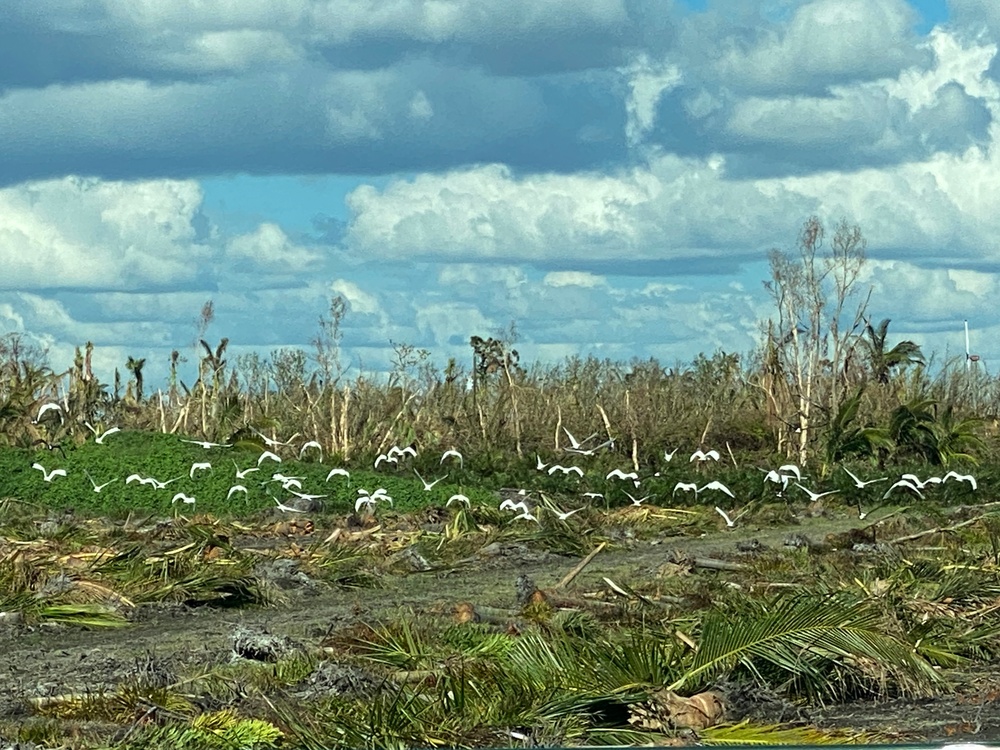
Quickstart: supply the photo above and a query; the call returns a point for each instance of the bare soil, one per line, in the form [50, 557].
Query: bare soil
[48, 660]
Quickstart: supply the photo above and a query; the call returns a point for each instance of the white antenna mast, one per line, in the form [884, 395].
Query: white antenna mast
[968, 360]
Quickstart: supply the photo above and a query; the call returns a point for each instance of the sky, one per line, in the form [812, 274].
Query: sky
[608, 175]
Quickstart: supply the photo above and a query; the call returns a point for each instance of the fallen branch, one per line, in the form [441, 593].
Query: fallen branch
[568, 578]
[938, 530]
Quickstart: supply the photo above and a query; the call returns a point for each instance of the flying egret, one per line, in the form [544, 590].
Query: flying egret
[905, 484]
[718, 486]
[686, 487]
[272, 442]
[592, 451]
[452, 453]
[565, 470]
[188, 499]
[338, 472]
[236, 488]
[199, 466]
[311, 444]
[577, 444]
[509, 504]
[365, 500]
[385, 458]
[99, 436]
[619, 474]
[48, 476]
[730, 523]
[538, 463]
[670, 456]
[98, 487]
[526, 515]
[242, 473]
[45, 408]
[638, 501]
[428, 486]
[858, 482]
[206, 444]
[791, 469]
[563, 515]
[962, 478]
[459, 498]
[269, 456]
[700, 455]
[814, 496]
[305, 495]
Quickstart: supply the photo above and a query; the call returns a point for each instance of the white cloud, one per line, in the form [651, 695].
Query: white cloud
[825, 42]
[86, 233]
[267, 252]
[573, 278]
[359, 300]
[647, 83]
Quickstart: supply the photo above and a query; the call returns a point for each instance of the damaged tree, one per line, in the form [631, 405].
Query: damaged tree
[807, 346]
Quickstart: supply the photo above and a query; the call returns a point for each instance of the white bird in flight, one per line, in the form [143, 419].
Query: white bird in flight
[188, 499]
[619, 474]
[858, 482]
[814, 496]
[565, 470]
[44, 408]
[338, 472]
[311, 444]
[99, 436]
[509, 504]
[98, 487]
[206, 444]
[638, 501]
[199, 466]
[234, 489]
[428, 486]
[268, 455]
[700, 455]
[48, 476]
[242, 473]
[459, 498]
[718, 486]
[905, 484]
[962, 478]
[452, 453]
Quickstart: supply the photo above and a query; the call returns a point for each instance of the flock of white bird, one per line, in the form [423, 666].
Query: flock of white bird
[523, 507]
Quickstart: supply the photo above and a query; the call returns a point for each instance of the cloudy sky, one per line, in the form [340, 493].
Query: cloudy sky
[608, 174]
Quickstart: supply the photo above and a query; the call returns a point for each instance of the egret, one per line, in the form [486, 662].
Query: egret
[236, 488]
[188, 499]
[700, 455]
[719, 486]
[859, 483]
[99, 437]
[268, 456]
[206, 444]
[385, 458]
[565, 470]
[592, 451]
[814, 496]
[509, 504]
[905, 484]
[311, 444]
[791, 469]
[48, 476]
[563, 515]
[962, 478]
[428, 486]
[686, 487]
[638, 501]
[459, 498]
[730, 523]
[98, 487]
[670, 456]
[242, 474]
[538, 463]
[271, 442]
[338, 472]
[44, 408]
[452, 453]
[619, 474]
[199, 466]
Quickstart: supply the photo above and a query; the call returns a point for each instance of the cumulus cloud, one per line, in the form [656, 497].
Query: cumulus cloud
[825, 42]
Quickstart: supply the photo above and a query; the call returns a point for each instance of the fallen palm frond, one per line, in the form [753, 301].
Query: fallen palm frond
[745, 733]
[808, 638]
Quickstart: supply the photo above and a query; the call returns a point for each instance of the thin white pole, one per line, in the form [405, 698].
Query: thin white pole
[968, 361]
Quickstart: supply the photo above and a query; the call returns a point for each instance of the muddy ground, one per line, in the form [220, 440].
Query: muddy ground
[46, 660]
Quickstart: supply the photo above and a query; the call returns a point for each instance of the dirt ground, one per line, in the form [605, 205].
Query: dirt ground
[51, 660]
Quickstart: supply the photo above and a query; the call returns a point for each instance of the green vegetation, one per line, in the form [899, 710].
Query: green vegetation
[866, 611]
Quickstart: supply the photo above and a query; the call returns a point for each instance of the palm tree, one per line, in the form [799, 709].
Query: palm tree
[883, 361]
[135, 367]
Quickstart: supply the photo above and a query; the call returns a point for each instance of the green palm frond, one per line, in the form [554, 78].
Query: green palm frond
[808, 637]
[746, 733]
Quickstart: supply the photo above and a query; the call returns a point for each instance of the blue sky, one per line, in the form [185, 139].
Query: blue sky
[607, 174]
